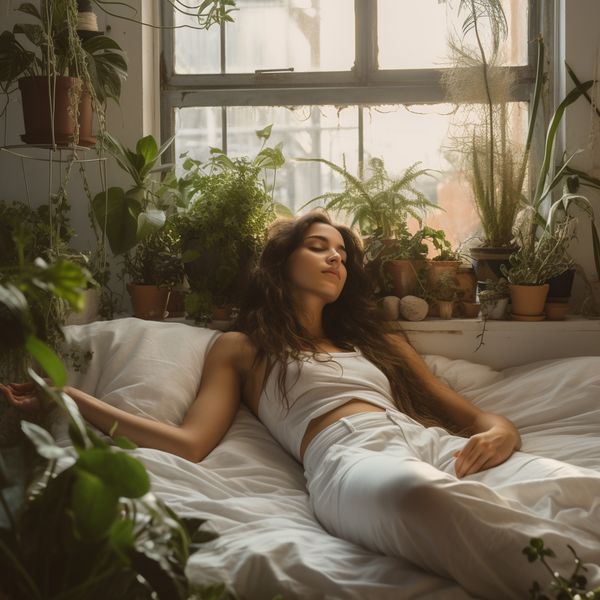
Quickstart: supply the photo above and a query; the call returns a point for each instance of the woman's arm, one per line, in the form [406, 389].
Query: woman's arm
[494, 438]
[207, 421]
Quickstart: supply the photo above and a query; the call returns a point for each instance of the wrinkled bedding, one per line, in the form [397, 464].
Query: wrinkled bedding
[253, 493]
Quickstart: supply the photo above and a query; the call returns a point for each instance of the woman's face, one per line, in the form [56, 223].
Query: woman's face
[318, 265]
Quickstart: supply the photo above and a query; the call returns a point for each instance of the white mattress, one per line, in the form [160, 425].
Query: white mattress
[252, 492]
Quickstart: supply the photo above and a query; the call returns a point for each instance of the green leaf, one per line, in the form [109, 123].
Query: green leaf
[30, 9]
[190, 255]
[148, 222]
[94, 506]
[147, 148]
[122, 219]
[48, 360]
[281, 210]
[125, 475]
[122, 538]
[124, 443]
[265, 133]
[44, 443]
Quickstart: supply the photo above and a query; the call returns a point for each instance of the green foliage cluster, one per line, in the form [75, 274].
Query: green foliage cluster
[379, 205]
[541, 258]
[92, 530]
[39, 286]
[156, 260]
[571, 588]
[224, 229]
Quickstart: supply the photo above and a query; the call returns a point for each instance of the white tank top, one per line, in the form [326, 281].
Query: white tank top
[323, 384]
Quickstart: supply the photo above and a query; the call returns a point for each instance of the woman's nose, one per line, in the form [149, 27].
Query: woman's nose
[335, 257]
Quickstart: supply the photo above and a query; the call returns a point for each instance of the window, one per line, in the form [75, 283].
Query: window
[343, 80]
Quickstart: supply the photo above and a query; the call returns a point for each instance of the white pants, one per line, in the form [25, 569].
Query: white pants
[385, 482]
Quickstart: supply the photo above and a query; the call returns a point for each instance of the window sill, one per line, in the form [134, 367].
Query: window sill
[437, 325]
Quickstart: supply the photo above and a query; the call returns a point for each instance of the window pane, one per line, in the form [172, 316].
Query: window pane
[412, 35]
[196, 51]
[403, 136]
[317, 131]
[198, 129]
[308, 35]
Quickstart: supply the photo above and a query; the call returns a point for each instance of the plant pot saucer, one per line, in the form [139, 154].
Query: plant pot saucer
[515, 317]
[61, 140]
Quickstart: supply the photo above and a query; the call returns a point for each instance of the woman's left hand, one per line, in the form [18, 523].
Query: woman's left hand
[485, 450]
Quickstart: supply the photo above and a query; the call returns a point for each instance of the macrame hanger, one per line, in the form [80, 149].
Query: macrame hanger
[595, 122]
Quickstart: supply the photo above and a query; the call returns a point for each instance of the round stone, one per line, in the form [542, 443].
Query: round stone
[413, 308]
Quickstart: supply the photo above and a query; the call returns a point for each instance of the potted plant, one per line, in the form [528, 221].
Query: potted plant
[139, 216]
[60, 76]
[444, 294]
[494, 298]
[223, 230]
[537, 260]
[483, 145]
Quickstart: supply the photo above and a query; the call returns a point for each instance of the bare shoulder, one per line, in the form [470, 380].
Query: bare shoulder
[235, 349]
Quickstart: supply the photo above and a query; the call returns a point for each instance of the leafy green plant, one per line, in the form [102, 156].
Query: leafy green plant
[564, 589]
[541, 258]
[39, 287]
[380, 206]
[127, 217]
[224, 228]
[57, 50]
[156, 260]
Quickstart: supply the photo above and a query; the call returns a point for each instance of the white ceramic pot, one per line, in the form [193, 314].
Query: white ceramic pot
[494, 309]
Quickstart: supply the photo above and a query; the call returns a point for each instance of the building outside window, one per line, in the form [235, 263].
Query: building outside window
[344, 80]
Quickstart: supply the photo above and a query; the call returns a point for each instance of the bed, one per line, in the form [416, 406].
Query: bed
[253, 493]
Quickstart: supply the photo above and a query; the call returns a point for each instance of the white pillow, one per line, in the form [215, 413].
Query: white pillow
[151, 369]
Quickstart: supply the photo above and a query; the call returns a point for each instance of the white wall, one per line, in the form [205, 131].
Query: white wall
[579, 48]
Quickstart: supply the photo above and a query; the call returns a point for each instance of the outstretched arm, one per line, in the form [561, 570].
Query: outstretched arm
[494, 437]
[207, 421]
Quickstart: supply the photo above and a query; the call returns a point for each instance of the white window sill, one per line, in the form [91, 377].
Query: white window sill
[437, 325]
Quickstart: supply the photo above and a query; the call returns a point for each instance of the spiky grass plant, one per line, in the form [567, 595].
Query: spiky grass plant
[482, 142]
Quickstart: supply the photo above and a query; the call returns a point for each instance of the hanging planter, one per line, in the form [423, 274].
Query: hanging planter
[36, 94]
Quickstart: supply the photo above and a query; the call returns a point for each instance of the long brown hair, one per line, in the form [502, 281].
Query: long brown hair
[268, 316]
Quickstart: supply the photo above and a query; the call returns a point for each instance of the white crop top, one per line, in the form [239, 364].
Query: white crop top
[322, 385]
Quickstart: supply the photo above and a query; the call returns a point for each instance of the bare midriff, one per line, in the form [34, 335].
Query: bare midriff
[317, 425]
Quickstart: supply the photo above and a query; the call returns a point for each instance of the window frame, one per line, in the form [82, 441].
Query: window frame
[363, 85]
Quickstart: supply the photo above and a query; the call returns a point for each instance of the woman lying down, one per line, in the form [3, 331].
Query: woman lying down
[395, 461]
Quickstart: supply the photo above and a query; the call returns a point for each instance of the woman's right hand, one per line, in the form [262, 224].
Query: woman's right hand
[27, 397]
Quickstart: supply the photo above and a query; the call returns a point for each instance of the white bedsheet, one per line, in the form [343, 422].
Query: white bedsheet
[253, 492]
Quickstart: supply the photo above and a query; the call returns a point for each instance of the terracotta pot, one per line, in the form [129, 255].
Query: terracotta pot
[404, 275]
[445, 309]
[556, 311]
[487, 261]
[35, 97]
[467, 282]
[528, 300]
[437, 267]
[148, 301]
[469, 310]
[221, 314]
[176, 304]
